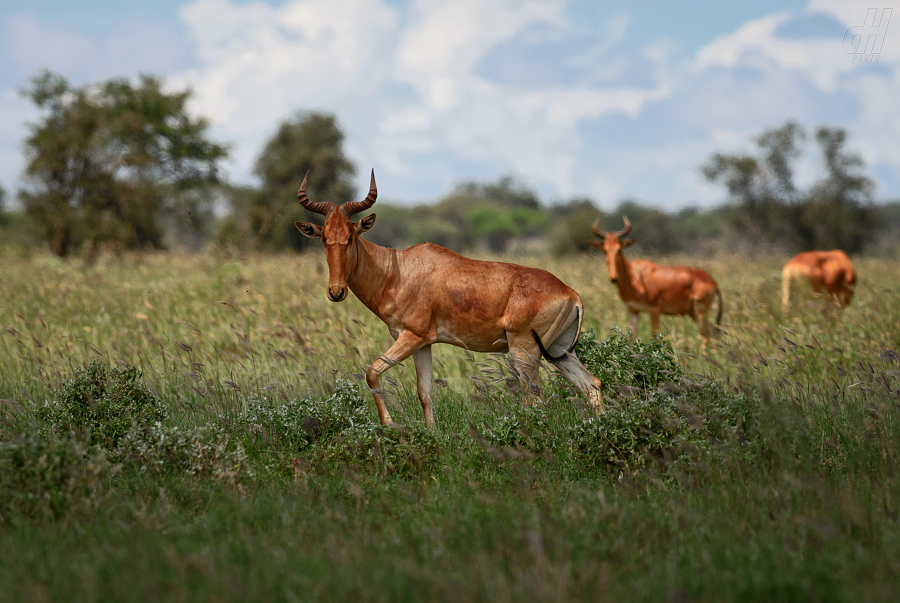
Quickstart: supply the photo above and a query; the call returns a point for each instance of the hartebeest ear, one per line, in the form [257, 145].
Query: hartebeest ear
[628, 242]
[311, 230]
[365, 224]
[596, 244]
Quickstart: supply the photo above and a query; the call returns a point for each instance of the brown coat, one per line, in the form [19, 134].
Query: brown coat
[648, 287]
[829, 272]
[427, 294]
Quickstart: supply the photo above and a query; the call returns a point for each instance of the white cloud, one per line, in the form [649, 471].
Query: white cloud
[258, 62]
[402, 93]
[29, 44]
[445, 41]
[823, 61]
[808, 75]
[434, 91]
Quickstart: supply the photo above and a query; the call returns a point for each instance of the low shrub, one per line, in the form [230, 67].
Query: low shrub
[293, 427]
[622, 365]
[102, 404]
[200, 452]
[525, 427]
[687, 426]
[113, 410]
[41, 478]
[335, 431]
[386, 450]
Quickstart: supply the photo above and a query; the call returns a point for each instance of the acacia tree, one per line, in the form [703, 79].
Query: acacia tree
[108, 161]
[307, 142]
[834, 212]
[763, 187]
[838, 211]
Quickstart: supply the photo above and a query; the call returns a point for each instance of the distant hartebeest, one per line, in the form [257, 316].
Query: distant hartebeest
[648, 287]
[830, 272]
[427, 294]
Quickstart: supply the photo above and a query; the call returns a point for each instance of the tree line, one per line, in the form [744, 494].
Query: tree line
[122, 165]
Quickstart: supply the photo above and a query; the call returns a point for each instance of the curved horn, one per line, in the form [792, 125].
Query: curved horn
[352, 207]
[323, 207]
[625, 230]
[596, 229]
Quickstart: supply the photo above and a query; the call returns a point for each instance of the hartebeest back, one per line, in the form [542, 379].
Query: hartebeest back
[428, 294]
[648, 287]
[829, 272]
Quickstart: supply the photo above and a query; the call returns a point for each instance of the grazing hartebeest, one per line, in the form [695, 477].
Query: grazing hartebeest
[427, 294]
[648, 287]
[828, 271]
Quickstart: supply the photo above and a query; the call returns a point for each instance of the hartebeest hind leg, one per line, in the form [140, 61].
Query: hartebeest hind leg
[525, 358]
[786, 277]
[559, 354]
[425, 383]
[407, 343]
[701, 317]
[589, 386]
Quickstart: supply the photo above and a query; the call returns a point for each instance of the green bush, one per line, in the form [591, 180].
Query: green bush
[685, 427]
[199, 452]
[103, 404]
[336, 430]
[388, 450]
[293, 427]
[622, 365]
[40, 478]
[525, 427]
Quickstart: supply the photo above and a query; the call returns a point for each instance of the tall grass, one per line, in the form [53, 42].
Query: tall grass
[764, 467]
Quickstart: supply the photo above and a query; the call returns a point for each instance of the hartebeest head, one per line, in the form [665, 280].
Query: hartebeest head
[339, 235]
[612, 244]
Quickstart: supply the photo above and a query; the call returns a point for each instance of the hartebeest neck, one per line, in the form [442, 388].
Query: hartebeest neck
[376, 270]
[625, 284]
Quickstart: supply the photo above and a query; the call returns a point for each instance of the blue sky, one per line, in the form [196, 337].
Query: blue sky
[578, 98]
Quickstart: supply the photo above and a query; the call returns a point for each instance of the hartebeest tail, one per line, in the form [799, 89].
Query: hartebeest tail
[648, 287]
[829, 272]
[721, 307]
[570, 349]
[427, 294]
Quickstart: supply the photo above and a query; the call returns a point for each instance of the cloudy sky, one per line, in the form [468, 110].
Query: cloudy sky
[577, 97]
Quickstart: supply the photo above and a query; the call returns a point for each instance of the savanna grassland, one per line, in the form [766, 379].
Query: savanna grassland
[242, 460]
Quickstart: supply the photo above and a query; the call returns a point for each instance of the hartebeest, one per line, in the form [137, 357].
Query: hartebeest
[830, 272]
[427, 294]
[648, 287]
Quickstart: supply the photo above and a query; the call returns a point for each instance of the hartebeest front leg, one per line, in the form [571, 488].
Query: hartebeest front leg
[425, 383]
[633, 319]
[406, 344]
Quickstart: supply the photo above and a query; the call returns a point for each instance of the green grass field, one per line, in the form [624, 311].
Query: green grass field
[764, 468]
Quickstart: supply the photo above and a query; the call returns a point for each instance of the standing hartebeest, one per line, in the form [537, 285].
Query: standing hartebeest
[648, 287]
[428, 294]
[828, 271]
